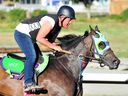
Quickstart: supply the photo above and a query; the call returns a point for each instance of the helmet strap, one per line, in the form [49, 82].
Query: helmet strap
[63, 21]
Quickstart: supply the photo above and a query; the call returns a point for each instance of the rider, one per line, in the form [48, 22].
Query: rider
[43, 29]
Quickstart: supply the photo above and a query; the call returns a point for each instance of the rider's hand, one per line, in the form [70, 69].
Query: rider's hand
[57, 48]
[55, 44]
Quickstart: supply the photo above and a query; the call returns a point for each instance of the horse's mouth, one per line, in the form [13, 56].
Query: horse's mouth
[111, 64]
[111, 67]
[114, 67]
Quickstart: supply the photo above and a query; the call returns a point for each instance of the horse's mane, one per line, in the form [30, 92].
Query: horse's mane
[59, 60]
[65, 38]
[70, 40]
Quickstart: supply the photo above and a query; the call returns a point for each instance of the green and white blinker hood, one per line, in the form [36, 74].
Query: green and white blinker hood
[101, 44]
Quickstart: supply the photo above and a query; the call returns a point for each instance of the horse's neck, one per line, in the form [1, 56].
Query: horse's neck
[74, 60]
[79, 49]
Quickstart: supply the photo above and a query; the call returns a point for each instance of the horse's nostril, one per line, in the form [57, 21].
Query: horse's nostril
[116, 62]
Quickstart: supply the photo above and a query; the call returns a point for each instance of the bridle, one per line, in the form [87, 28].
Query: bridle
[91, 54]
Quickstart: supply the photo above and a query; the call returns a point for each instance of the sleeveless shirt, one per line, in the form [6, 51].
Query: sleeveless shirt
[32, 26]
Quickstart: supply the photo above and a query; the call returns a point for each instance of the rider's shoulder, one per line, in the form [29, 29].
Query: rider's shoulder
[49, 19]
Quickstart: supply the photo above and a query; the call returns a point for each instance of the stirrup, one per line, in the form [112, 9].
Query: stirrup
[32, 88]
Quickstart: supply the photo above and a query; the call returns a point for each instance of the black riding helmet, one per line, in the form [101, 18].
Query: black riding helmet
[67, 11]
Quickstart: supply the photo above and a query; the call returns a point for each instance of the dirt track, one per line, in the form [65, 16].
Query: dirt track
[106, 89]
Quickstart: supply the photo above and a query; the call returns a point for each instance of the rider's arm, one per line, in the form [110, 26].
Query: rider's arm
[44, 30]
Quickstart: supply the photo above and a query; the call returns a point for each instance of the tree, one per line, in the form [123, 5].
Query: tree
[75, 1]
[88, 4]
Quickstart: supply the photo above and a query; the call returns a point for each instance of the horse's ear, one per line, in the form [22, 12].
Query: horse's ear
[96, 28]
[86, 33]
[92, 31]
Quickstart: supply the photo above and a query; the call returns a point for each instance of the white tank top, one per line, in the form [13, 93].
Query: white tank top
[24, 28]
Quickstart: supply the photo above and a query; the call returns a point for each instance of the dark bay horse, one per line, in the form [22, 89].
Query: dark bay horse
[63, 74]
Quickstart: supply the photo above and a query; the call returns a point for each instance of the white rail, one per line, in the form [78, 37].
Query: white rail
[105, 78]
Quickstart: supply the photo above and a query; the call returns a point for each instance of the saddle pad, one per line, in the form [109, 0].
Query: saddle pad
[15, 67]
[41, 67]
[12, 64]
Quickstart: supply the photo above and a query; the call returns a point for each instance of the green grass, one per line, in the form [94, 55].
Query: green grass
[115, 32]
[3, 30]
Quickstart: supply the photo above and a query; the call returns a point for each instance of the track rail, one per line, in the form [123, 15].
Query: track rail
[17, 50]
[104, 82]
[7, 50]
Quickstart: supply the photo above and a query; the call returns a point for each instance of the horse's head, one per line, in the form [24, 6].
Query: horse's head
[100, 49]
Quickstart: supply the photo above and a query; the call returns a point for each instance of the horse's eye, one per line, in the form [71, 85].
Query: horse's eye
[102, 45]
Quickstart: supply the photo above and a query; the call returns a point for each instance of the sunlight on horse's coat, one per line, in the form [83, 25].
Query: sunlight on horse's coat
[55, 90]
[10, 86]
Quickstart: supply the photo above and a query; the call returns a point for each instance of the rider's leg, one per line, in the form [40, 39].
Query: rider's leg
[27, 46]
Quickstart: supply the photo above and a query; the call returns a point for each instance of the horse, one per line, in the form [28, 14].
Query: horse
[63, 75]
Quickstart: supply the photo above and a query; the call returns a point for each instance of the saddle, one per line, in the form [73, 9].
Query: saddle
[14, 65]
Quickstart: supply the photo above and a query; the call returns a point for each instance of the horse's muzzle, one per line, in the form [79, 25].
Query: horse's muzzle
[112, 64]
[116, 63]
